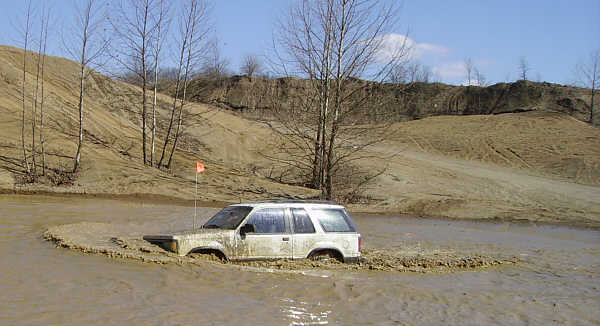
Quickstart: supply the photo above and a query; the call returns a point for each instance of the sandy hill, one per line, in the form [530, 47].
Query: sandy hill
[535, 165]
[111, 160]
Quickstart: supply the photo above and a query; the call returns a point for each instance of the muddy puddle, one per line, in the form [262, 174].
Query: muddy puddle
[417, 272]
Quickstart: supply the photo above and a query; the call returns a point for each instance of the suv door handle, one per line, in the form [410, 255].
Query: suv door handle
[286, 239]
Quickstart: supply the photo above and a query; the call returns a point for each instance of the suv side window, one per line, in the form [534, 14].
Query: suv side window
[302, 223]
[334, 220]
[268, 220]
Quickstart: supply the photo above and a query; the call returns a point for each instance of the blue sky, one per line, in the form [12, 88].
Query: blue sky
[551, 35]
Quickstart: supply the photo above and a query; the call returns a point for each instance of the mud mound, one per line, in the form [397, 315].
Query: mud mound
[115, 241]
[405, 259]
[110, 240]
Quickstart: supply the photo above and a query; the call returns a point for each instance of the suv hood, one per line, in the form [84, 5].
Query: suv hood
[204, 234]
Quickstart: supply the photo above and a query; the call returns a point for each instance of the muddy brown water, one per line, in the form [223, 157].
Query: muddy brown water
[556, 282]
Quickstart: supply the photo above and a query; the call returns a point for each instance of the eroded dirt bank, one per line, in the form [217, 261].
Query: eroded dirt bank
[123, 241]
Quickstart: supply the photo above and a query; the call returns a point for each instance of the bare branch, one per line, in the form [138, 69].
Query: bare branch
[333, 44]
[588, 75]
[523, 68]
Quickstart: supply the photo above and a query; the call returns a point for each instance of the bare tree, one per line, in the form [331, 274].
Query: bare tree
[588, 75]
[251, 65]
[44, 41]
[523, 68]
[333, 43]
[469, 66]
[36, 97]
[193, 32]
[215, 66]
[26, 36]
[479, 78]
[161, 23]
[411, 72]
[133, 27]
[90, 24]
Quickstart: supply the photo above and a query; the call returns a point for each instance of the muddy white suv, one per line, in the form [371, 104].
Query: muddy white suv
[287, 229]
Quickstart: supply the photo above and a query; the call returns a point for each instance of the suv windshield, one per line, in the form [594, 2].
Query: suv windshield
[228, 218]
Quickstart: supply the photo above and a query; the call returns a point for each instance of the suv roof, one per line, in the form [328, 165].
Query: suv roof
[295, 202]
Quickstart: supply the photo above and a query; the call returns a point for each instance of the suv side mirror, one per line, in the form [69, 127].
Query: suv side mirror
[246, 228]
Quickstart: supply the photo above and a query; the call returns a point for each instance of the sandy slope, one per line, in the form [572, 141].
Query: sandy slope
[535, 166]
[429, 184]
[111, 159]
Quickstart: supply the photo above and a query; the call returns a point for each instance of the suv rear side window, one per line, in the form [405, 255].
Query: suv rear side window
[268, 220]
[334, 220]
[302, 223]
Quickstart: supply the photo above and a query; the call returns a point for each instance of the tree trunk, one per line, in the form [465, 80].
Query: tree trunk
[153, 118]
[184, 47]
[34, 106]
[77, 161]
[144, 82]
[81, 94]
[180, 119]
[592, 100]
[191, 29]
[144, 136]
[338, 103]
[42, 140]
[156, 65]
[24, 88]
[174, 107]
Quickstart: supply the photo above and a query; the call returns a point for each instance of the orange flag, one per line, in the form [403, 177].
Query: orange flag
[200, 167]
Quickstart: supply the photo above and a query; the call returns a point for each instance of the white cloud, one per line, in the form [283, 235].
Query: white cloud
[450, 70]
[393, 44]
[457, 72]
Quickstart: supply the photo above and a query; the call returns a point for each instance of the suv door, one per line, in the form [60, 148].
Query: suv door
[271, 237]
[305, 235]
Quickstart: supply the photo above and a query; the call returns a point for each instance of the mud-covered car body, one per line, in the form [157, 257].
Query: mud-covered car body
[271, 230]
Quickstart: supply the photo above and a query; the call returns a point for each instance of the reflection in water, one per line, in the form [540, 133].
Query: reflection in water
[303, 313]
[557, 281]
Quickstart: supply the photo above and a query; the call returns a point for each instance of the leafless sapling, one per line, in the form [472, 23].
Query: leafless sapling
[161, 23]
[26, 36]
[88, 47]
[193, 32]
[44, 40]
[215, 66]
[133, 28]
[469, 66]
[588, 75]
[39, 78]
[199, 30]
[480, 78]
[250, 65]
[523, 67]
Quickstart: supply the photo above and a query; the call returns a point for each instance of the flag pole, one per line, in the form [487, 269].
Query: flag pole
[195, 198]
[199, 169]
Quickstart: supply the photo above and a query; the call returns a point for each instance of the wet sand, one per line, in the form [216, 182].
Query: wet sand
[556, 280]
